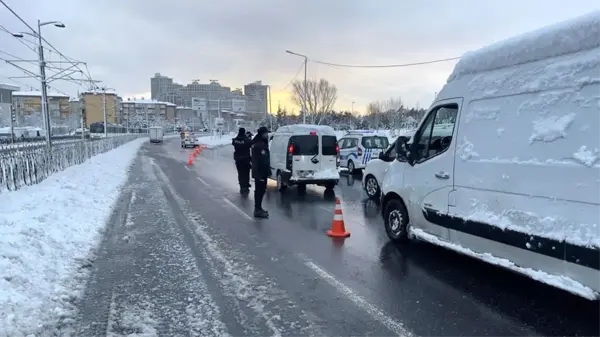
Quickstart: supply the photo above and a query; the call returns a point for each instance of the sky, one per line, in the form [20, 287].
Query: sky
[124, 43]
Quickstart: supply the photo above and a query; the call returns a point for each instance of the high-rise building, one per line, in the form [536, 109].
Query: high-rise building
[258, 92]
[254, 96]
[160, 86]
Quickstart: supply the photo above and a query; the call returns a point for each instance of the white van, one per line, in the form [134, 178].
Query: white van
[156, 134]
[515, 181]
[304, 154]
[357, 148]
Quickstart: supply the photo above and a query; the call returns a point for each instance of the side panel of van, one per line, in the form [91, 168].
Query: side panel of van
[527, 173]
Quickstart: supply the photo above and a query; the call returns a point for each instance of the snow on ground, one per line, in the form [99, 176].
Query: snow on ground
[215, 141]
[47, 232]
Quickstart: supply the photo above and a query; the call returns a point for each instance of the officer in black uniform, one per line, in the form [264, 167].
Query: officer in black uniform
[261, 169]
[241, 155]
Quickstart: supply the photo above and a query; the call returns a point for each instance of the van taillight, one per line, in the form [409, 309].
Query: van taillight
[337, 149]
[291, 149]
[359, 152]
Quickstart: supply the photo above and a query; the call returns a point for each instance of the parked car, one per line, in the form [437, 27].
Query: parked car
[375, 169]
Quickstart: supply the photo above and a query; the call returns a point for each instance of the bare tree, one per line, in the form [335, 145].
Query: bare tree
[320, 97]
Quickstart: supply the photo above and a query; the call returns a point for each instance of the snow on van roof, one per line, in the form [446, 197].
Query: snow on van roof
[323, 129]
[566, 37]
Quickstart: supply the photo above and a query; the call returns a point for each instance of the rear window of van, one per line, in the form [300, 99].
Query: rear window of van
[329, 144]
[305, 145]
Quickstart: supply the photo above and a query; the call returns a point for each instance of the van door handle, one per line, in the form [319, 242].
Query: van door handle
[442, 175]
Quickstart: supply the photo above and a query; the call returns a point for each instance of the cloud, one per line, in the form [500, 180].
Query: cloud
[235, 41]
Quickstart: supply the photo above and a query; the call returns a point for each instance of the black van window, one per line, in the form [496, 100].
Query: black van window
[305, 145]
[329, 144]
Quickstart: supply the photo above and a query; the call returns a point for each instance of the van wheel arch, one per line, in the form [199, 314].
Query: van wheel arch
[400, 212]
[281, 186]
[386, 199]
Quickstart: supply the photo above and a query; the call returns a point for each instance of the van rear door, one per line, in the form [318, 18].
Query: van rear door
[305, 155]
[329, 153]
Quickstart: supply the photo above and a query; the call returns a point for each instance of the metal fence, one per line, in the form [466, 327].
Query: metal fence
[30, 165]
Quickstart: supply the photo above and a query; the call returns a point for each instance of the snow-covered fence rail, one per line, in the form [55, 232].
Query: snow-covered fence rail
[28, 166]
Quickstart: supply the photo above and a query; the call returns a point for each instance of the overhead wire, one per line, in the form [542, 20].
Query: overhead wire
[385, 65]
[74, 62]
[294, 78]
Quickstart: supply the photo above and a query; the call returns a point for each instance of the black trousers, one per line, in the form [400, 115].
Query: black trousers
[260, 187]
[243, 169]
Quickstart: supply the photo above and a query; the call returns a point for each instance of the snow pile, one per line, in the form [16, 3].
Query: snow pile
[567, 37]
[215, 141]
[551, 128]
[47, 231]
[586, 156]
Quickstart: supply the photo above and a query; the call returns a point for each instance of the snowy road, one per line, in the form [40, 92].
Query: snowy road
[183, 257]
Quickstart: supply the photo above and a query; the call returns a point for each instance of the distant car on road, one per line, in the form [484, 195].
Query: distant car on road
[376, 168]
[189, 140]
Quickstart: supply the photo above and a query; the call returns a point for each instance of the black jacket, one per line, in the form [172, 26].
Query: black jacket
[241, 145]
[261, 162]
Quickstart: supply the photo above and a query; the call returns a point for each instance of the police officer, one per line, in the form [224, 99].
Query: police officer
[241, 156]
[261, 169]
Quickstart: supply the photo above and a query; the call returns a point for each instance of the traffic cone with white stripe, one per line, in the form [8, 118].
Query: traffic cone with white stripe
[338, 229]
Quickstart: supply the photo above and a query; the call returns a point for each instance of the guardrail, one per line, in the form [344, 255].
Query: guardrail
[31, 165]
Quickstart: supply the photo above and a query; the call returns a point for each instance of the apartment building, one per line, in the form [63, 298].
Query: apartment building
[6, 91]
[164, 89]
[28, 108]
[144, 112]
[94, 103]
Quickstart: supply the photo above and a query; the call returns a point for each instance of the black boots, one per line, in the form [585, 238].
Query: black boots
[261, 213]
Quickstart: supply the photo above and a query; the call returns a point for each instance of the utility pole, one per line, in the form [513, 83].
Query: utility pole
[305, 91]
[270, 109]
[104, 112]
[44, 102]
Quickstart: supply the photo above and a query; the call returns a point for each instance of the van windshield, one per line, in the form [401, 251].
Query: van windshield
[329, 143]
[307, 145]
[375, 142]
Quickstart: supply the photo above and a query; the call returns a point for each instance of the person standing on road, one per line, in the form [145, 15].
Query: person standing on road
[261, 169]
[241, 156]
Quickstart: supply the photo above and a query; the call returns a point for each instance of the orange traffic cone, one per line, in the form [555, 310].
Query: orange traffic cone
[196, 152]
[338, 230]
[190, 161]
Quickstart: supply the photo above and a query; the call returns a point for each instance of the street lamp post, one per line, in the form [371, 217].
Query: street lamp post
[42, 62]
[305, 94]
[352, 112]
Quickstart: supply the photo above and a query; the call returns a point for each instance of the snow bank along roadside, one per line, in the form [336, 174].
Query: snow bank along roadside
[215, 141]
[46, 230]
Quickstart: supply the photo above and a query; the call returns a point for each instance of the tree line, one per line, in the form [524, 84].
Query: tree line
[319, 97]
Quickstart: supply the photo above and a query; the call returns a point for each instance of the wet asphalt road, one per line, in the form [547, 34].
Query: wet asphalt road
[183, 257]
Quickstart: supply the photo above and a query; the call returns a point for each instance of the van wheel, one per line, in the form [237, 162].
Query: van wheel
[396, 221]
[302, 189]
[281, 186]
[372, 187]
[351, 167]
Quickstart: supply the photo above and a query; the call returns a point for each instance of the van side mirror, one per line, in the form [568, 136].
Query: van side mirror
[402, 152]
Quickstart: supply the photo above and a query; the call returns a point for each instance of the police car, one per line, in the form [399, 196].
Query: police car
[358, 147]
